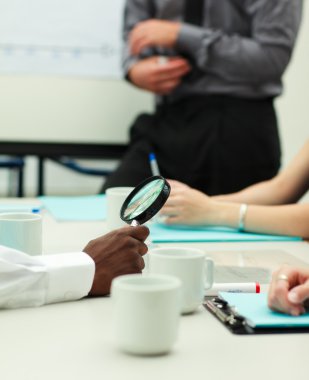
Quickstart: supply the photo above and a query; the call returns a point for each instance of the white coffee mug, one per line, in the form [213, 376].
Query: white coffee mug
[22, 231]
[115, 196]
[146, 313]
[191, 266]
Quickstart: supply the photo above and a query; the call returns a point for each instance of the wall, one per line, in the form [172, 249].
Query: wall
[293, 106]
[62, 109]
[76, 104]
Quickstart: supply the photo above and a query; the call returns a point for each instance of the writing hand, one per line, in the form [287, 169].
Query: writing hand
[187, 206]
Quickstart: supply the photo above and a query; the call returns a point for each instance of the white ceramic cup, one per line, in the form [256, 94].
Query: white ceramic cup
[146, 313]
[22, 231]
[115, 196]
[190, 266]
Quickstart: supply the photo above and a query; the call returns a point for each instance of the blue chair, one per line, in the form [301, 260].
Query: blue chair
[15, 165]
[75, 166]
[70, 164]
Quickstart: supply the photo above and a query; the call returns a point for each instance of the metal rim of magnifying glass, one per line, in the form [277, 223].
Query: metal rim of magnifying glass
[153, 208]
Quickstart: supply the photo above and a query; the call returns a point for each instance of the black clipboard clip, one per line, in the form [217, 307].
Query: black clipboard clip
[227, 315]
[237, 324]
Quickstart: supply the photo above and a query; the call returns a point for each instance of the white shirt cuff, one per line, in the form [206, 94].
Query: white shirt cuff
[70, 276]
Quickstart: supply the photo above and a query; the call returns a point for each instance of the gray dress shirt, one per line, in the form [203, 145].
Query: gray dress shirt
[242, 48]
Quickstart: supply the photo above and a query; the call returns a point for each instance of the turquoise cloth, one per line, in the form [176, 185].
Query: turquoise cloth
[82, 208]
[254, 308]
[161, 233]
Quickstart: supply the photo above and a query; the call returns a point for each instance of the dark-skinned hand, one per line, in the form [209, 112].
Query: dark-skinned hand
[117, 253]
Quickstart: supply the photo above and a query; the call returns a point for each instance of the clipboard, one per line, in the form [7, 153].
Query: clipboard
[162, 233]
[248, 313]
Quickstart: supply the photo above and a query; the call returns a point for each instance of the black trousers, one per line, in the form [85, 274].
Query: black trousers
[217, 144]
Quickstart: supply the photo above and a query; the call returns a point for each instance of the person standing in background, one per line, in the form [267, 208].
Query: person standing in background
[215, 67]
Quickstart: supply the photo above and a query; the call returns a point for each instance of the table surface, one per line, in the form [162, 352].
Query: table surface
[74, 341]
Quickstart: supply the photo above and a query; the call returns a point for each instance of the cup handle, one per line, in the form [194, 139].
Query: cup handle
[208, 273]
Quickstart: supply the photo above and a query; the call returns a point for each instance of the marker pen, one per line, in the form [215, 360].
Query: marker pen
[153, 164]
[242, 287]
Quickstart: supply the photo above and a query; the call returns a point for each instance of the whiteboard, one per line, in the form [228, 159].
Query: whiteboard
[61, 37]
[60, 73]
[66, 110]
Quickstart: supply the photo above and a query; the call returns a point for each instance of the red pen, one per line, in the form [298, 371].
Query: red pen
[241, 287]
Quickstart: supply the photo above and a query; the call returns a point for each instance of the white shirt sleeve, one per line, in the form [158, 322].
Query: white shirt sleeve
[27, 281]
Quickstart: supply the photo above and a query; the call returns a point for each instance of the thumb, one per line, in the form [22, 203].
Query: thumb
[299, 294]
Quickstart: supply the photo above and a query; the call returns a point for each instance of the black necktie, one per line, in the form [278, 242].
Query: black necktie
[194, 12]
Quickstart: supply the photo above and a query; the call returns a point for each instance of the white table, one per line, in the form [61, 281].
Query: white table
[74, 340]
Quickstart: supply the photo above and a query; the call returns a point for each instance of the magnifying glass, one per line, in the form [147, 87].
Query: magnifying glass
[145, 201]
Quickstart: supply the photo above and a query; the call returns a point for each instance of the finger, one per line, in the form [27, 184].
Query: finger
[176, 184]
[134, 264]
[278, 298]
[176, 74]
[299, 294]
[134, 41]
[138, 46]
[174, 219]
[135, 35]
[143, 249]
[173, 182]
[137, 232]
[166, 87]
[178, 191]
[140, 43]
[175, 199]
[170, 69]
[178, 60]
[140, 29]
[169, 210]
[140, 263]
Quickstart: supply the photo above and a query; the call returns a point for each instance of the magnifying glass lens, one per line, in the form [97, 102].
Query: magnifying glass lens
[145, 200]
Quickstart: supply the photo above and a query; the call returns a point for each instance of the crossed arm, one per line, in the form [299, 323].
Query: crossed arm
[257, 59]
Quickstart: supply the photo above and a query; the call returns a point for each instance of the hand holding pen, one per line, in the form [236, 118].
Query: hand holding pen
[289, 290]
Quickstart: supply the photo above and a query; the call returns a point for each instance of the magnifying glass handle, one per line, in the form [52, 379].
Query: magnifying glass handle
[134, 223]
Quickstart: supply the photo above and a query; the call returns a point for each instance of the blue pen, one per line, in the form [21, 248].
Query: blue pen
[18, 209]
[153, 164]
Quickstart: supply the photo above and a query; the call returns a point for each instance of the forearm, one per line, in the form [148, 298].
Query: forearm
[263, 193]
[27, 281]
[282, 220]
[235, 58]
[257, 58]
[287, 187]
[290, 220]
